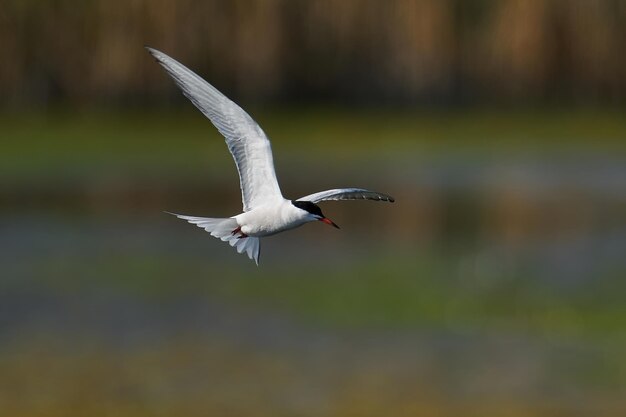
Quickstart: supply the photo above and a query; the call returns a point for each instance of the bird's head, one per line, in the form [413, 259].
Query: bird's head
[313, 212]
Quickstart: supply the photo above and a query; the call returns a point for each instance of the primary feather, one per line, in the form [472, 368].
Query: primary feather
[346, 194]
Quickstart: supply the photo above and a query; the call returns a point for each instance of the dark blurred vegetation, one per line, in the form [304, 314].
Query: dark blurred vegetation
[493, 286]
[444, 52]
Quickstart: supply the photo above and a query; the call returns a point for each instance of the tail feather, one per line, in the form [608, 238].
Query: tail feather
[223, 229]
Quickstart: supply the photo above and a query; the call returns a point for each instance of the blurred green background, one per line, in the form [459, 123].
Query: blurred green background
[494, 286]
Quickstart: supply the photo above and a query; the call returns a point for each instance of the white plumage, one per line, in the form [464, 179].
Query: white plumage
[265, 210]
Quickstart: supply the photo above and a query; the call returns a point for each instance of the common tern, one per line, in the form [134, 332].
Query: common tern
[265, 210]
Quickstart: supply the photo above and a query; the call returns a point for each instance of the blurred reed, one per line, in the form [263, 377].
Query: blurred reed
[430, 52]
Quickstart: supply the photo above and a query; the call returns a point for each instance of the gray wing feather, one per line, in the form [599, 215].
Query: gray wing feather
[245, 139]
[347, 194]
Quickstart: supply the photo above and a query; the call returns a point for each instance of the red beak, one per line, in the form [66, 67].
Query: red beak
[329, 222]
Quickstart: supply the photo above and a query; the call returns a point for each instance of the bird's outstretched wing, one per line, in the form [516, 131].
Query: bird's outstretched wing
[346, 194]
[245, 139]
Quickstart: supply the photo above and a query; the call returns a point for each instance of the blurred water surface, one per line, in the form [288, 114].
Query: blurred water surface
[493, 285]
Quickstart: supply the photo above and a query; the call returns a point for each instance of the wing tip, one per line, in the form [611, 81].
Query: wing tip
[384, 197]
[155, 53]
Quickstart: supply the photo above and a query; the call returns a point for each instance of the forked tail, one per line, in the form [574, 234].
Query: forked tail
[227, 230]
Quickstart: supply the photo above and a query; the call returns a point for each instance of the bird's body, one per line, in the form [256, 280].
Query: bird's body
[265, 211]
[269, 219]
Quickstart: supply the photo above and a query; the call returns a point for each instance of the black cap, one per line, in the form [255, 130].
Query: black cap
[308, 206]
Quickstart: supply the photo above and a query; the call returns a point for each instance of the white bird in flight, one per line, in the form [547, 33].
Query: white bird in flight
[265, 210]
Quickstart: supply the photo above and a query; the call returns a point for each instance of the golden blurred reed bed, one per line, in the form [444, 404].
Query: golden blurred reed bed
[432, 52]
